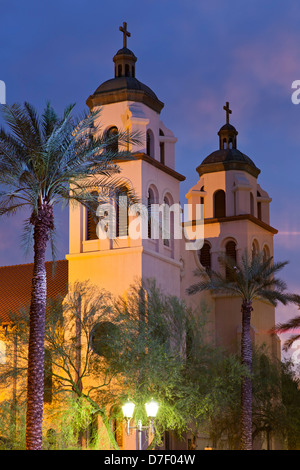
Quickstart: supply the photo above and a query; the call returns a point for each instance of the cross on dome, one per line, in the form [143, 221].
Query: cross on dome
[126, 33]
[228, 111]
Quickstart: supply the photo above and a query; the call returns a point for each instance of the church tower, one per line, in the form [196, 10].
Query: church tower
[236, 218]
[115, 264]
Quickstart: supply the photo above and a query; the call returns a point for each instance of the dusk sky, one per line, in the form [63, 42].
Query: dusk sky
[195, 55]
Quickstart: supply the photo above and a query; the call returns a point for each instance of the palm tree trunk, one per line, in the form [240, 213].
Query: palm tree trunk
[246, 397]
[43, 223]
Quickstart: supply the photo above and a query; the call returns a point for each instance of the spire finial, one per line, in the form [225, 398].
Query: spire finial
[228, 111]
[126, 33]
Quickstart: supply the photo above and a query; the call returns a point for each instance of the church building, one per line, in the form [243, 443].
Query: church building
[235, 211]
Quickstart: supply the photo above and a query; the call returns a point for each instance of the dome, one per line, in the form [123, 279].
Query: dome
[227, 159]
[124, 86]
[124, 83]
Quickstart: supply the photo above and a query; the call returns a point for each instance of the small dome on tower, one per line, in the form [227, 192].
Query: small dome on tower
[124, 87]
[228, 157]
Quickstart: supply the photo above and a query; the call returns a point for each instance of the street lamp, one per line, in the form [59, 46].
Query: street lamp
[151, 410]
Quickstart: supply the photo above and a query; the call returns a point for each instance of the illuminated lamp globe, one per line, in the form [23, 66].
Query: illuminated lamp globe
[151, 409]
[128, 410]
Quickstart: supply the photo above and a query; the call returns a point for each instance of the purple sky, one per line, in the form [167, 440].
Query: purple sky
[195, 55]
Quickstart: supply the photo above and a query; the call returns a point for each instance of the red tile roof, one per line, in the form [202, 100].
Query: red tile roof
[15, 286]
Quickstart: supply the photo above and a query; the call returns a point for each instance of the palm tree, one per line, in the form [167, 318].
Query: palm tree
[253, 279]
[292, 324]
[45, 160]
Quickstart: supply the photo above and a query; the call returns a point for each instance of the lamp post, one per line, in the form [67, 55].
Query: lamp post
[151, 410]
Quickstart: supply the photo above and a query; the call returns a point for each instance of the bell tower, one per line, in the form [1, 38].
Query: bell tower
[236, 219]
[114, 264]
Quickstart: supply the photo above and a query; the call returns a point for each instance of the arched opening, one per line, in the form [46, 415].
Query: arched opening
[120, 70]
[224, 144]
[150, 201]
[127, 70]
[251, 204]
[91, 222]
[230, 250]
[103, 338]
[258, 206]
[133, 71]
[48, 377]
[150, 143]
[255, 249]
[167, 222]
[266, 253]
[122, 216]
[205, 256]
[161, 148]
[219, 204]
[111, 140]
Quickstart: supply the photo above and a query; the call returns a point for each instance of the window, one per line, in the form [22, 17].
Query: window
[117, 424]
[258, 206]
[230, 250]
[161, 149]
[150, 143]
[91, 222]
[219, 204]
[205, 256]
[127, 70]
[251, 204]
[150, 201]
[111, 138]
[122, 220]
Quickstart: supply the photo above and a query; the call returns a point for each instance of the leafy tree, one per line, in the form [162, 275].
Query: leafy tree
[41, 159]
[145, 352]
[254, 278]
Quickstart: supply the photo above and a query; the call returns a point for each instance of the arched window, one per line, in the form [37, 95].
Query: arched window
[150, 201]
[133, 71]
[224, 144]
[255, 248]
[266, 253]
[91, 222]
[166, 222]
[122, 219]
[161, 149]
[205, 256]
[111, 138]
[230, 250]
[251, 204]
[127, 74]
[150, 143]
[219, 204]
[119, 70]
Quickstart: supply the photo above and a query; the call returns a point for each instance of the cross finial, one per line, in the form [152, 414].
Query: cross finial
[228, 111]
[125, 33]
